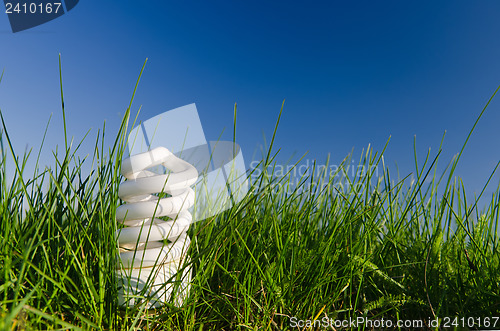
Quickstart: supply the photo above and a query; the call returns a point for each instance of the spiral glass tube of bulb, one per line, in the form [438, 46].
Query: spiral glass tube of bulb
[151, 268]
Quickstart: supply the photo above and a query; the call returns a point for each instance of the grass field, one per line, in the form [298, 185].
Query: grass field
[379, 247]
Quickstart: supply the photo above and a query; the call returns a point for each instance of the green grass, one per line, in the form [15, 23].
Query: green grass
[378, 248]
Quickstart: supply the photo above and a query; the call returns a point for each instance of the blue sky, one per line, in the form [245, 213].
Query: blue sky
[352, 73]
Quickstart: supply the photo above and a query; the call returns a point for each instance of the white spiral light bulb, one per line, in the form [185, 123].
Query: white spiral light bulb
[148, 264]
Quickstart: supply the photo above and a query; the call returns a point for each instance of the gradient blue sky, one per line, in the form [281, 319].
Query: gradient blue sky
[352, 73]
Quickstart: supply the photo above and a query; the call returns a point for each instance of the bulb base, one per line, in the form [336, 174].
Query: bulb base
[165, 283]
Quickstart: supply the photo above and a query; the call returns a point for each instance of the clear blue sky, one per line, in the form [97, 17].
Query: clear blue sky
[352, 73]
